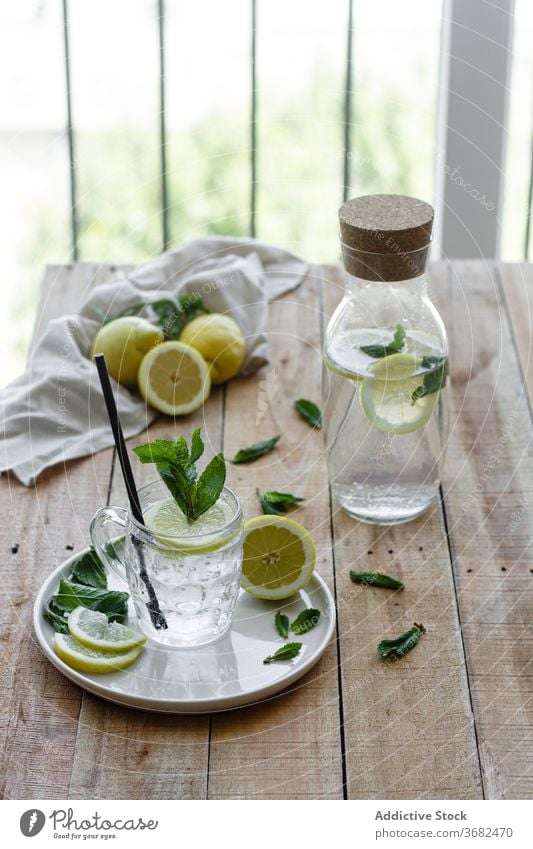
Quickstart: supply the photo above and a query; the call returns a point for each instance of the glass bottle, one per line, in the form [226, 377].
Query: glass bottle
[385, 365]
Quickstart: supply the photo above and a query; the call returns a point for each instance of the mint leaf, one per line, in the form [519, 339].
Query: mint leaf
[282, 624]
[305, 620]
[159, 451]
[209, 485]
[377, 579]
[398, 338]
[88, 569]
[171, 315]
[394, 347]
[71, 595]
[286, 652]
[401, 645]
[258, 449]
[175, 479]
[277, 503]
[59, 623]
[309, 412]
[197, 445]
[176, 464]
[433, 381]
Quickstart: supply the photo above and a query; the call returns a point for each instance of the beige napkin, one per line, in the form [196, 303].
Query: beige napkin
[55, 410]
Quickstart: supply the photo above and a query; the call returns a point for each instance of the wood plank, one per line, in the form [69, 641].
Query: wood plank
[288, 747]
[409, 730]
[127, 754]
[490, 514]
[41, 526]
[517, 282]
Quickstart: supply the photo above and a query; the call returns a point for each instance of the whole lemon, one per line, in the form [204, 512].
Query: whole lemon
[219, 340]
[124, 342]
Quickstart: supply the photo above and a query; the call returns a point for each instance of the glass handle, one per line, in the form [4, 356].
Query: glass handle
[103, 542]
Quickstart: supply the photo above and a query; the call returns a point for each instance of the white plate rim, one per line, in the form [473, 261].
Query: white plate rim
[178, 706]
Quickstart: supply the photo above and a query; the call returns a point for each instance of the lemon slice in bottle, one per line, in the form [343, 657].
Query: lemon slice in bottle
[387, 396]
[94, 630]
[278, 557]
[174, 378]
[85, 659]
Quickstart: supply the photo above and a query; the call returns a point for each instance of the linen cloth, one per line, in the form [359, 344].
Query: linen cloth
[55, 411]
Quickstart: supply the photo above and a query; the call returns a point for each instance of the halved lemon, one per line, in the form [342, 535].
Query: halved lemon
[94, 630]
[387, 396]
[174, 378]
[278, 557]
[89, 660]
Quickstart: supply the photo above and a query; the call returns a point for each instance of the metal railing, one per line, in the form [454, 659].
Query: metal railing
[345, 140]
[165, 199]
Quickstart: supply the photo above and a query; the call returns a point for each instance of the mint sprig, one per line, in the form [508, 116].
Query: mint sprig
[86, 587]
[176, 464]
[277, 503]
[286, 652]
[394, 347]
[399, 646]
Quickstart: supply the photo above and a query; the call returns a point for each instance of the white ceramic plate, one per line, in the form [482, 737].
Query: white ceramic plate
[224, 675]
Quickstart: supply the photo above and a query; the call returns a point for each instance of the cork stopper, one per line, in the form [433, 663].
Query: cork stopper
[385, 237]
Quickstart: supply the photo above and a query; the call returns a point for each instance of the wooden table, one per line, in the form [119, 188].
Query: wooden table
[453, 719]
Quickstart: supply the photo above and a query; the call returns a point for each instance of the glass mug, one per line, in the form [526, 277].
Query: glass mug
[184, 588]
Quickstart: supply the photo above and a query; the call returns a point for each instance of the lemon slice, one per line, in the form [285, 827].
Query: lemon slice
[94, 630]
[342, 372]
[386, 398]
[278, 557]
[88, 660]
[165, 517]
[174, 378]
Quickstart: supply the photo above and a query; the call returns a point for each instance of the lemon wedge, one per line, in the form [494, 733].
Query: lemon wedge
[278, 557]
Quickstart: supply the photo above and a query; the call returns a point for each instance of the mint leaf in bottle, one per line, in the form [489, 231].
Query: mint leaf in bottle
[433, 381]
[394, 347]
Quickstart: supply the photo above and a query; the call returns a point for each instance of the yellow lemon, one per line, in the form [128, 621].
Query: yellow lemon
[220, 341]
[278, 557]
[124, 342]
[174, 378]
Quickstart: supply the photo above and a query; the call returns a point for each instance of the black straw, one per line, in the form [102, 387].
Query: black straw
[156, 614]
